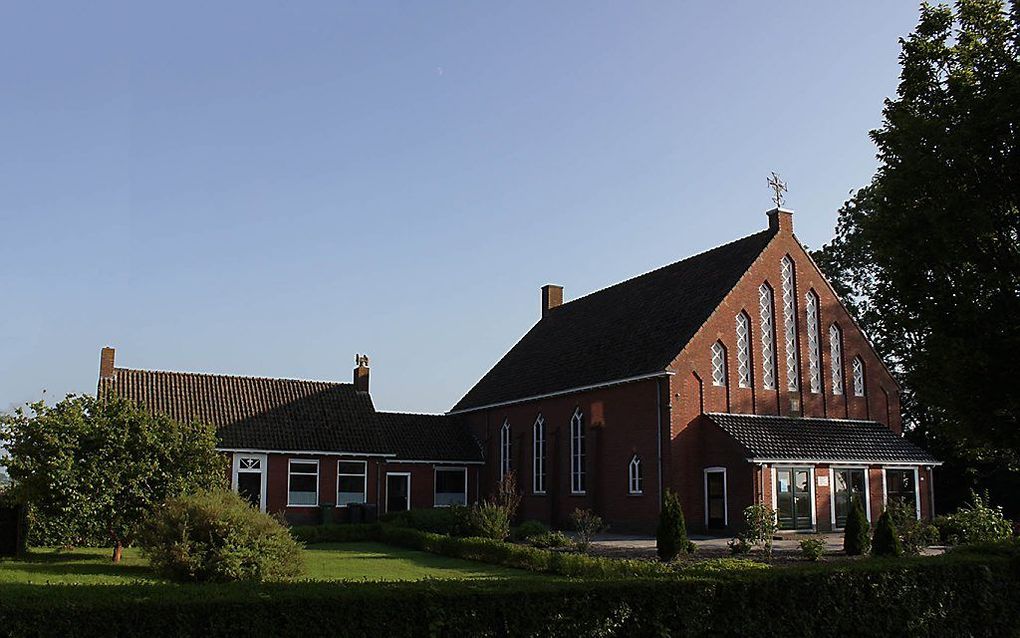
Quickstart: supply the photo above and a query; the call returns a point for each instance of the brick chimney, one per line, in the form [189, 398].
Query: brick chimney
[552, 297]
[106, 357]
[782, 220]
[361, 373]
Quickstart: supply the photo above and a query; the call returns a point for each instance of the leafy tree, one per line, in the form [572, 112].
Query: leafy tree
[93, 468]
[928, 254]
[886, 541]
[671, 535]
[856, 533]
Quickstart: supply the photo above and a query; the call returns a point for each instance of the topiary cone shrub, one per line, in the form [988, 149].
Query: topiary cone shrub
[856, 534]
[671, 535]
[886, 541]
[217, 536]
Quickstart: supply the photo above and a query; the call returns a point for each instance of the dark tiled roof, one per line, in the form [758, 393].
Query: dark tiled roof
[630, 329]
[258, 413]
[804, 439]
[429, 437]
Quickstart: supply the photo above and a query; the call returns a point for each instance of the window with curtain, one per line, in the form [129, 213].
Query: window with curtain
[303, 482]
[351, 482]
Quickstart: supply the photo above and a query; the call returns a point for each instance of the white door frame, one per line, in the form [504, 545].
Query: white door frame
[726, 501]
[388, 475]
[832, 491]
[263, 470]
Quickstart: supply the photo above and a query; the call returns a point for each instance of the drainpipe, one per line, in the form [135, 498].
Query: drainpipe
[658, 438]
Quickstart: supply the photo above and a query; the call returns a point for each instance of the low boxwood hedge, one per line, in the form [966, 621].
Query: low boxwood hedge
[342, 533]
[968, 594]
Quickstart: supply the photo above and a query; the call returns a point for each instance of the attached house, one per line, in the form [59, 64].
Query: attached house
[732, 377]
[298, 446]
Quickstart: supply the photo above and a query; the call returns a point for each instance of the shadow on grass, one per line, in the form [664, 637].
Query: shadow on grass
[96, 568]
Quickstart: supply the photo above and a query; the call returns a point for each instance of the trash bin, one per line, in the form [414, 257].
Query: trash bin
[357, 512]
[327, 513]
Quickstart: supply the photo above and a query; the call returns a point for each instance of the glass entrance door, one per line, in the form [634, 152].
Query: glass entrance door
[846, 482]
[793, 497]
[250, 478]
[715, 499]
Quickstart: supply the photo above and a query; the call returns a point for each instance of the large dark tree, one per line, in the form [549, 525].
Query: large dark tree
[928, 254]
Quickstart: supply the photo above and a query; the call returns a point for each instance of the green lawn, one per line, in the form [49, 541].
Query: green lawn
[330, 561]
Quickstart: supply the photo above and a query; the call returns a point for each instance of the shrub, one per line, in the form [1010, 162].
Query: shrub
[216, 535]
[529, 529]
[454, 520]
[551, 539]
[856, 534]
[914, 534]
[886, 542]
[490, 521]
[671, 534]
[588, 525]
[812, 548]
[974, 522]
[342, 533]
[760, 526]
[739, 546]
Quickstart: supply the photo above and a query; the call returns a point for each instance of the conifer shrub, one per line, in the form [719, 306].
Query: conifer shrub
[671, 534]
[856, 534]
[217, 536]
[886, 541]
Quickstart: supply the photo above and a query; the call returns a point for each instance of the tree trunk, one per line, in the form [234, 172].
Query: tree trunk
[118, 549]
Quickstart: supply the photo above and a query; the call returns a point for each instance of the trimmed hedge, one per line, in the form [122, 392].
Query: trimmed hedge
[969, 594]
[342, 533]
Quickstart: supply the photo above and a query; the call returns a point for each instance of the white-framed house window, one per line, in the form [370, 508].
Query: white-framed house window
[578, 474]
[351, 482]
[790, 324]
[716, 498]
[538, 456]
[768, 336]
[743, 327]
[504, 448]
[303, 483]
[814, 342]
[451, 486]
[858, 376]
[900, 484]
[635, 477]
[836, 356]
[718, 364]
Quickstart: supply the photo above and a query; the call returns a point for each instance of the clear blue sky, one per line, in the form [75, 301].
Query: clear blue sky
[267, 188]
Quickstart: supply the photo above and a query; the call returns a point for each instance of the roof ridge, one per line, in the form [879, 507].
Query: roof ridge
[220, 375]
[669, 265]
[413, 413]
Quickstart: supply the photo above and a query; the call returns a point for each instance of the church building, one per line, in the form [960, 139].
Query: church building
[732, 377]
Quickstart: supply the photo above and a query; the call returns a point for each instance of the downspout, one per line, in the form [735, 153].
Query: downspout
[658, 438]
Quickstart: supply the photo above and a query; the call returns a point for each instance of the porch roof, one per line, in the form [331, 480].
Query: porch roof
[793, 439]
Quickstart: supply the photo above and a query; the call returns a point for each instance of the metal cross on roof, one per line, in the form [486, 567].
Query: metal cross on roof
[779, 186]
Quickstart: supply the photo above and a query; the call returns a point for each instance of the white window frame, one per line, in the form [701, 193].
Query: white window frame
[408, 475]
[435, 484]
[832, 491]
[859, 376]
[538, 456]
[836, 358]
[635, 479]
[726, 494]
[263, 460]
[767, 314]
[788, 281]
[719, 364]
[743, 331]
[290, 473]
[364, 475]
[814, 341]
[917, 486]
[578, 471]
[811, 477]
[505, 448]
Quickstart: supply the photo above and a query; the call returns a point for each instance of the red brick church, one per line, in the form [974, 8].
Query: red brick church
[735, 376]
